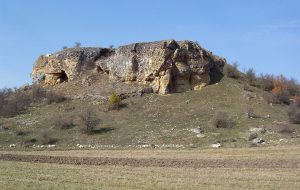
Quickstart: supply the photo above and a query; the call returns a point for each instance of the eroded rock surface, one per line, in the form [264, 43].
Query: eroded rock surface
[165, 66]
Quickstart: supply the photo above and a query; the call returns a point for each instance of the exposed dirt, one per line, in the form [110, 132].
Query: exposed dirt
[173, 163]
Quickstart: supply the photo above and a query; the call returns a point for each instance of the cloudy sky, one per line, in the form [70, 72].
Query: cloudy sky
[264, 35]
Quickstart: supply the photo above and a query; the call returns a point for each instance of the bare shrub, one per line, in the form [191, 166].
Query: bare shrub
[252, 136]
[231, 71]
[53, 97]
[251, 77]
[222, 120]
[45, 138]
[281, 88]
[4, 93]
[88, 122]
[63, 123]
[38, 93]
[280, 96]
[266, 82]
[20, 132]
[293, 87]
[250, 113]
[286, 128]
[294, 111]
[247, 88]
[15, 103]
[28, 142]
[77, 44]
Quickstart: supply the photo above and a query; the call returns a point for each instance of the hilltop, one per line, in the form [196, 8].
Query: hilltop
[157, 94]
[163, 66]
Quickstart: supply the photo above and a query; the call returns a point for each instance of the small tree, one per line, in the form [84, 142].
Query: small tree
[88, 122]
[38, 93]
[266, 82]
[114, 101]
[251, 77]
[77, 44]
[64, 47]
[231, 71]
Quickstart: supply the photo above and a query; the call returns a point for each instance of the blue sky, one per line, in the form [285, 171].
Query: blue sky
[262, 34]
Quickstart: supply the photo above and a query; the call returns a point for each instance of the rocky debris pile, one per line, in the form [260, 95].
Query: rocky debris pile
[165, 66]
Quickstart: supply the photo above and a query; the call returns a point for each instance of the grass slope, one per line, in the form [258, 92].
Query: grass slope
[156, 119]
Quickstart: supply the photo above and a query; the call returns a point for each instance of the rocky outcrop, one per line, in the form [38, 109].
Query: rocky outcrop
[165, 66]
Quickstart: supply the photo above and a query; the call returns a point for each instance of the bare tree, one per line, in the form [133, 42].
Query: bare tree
[77, 44]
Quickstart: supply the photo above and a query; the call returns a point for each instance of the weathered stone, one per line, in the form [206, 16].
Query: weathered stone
[216, 145]
[166, 66]
[258, 140]
[197, 130]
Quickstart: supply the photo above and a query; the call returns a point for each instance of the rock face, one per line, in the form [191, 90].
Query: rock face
[165, 66]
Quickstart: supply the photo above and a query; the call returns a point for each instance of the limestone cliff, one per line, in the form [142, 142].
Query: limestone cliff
[165, 66]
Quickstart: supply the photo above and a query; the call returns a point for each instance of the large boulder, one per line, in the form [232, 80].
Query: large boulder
[166, 66]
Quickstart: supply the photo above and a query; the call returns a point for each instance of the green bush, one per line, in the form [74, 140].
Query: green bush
[114, 101]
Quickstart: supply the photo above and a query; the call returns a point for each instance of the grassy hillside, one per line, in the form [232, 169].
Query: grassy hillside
[165, 121]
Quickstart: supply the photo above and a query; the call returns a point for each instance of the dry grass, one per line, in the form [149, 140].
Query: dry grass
[53, 176]
[275, 152]
[19, 175]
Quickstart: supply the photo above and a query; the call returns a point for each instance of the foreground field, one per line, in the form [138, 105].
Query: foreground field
[248, 168]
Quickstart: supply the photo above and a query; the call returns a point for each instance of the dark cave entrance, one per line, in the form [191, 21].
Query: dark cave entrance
[63, 76]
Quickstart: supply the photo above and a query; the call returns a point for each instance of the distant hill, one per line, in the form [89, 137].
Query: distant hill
[147, 95]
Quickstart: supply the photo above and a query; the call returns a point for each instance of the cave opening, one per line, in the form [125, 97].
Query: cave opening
[63, 76]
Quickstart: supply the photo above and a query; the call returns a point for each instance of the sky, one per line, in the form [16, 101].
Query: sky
[259, 34]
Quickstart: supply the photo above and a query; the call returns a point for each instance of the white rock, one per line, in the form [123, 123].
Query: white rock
[201, 135]
[258, 140]
[197, 130]
[257, 129]
[216, 145]
[283, 140]
[12, 145]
